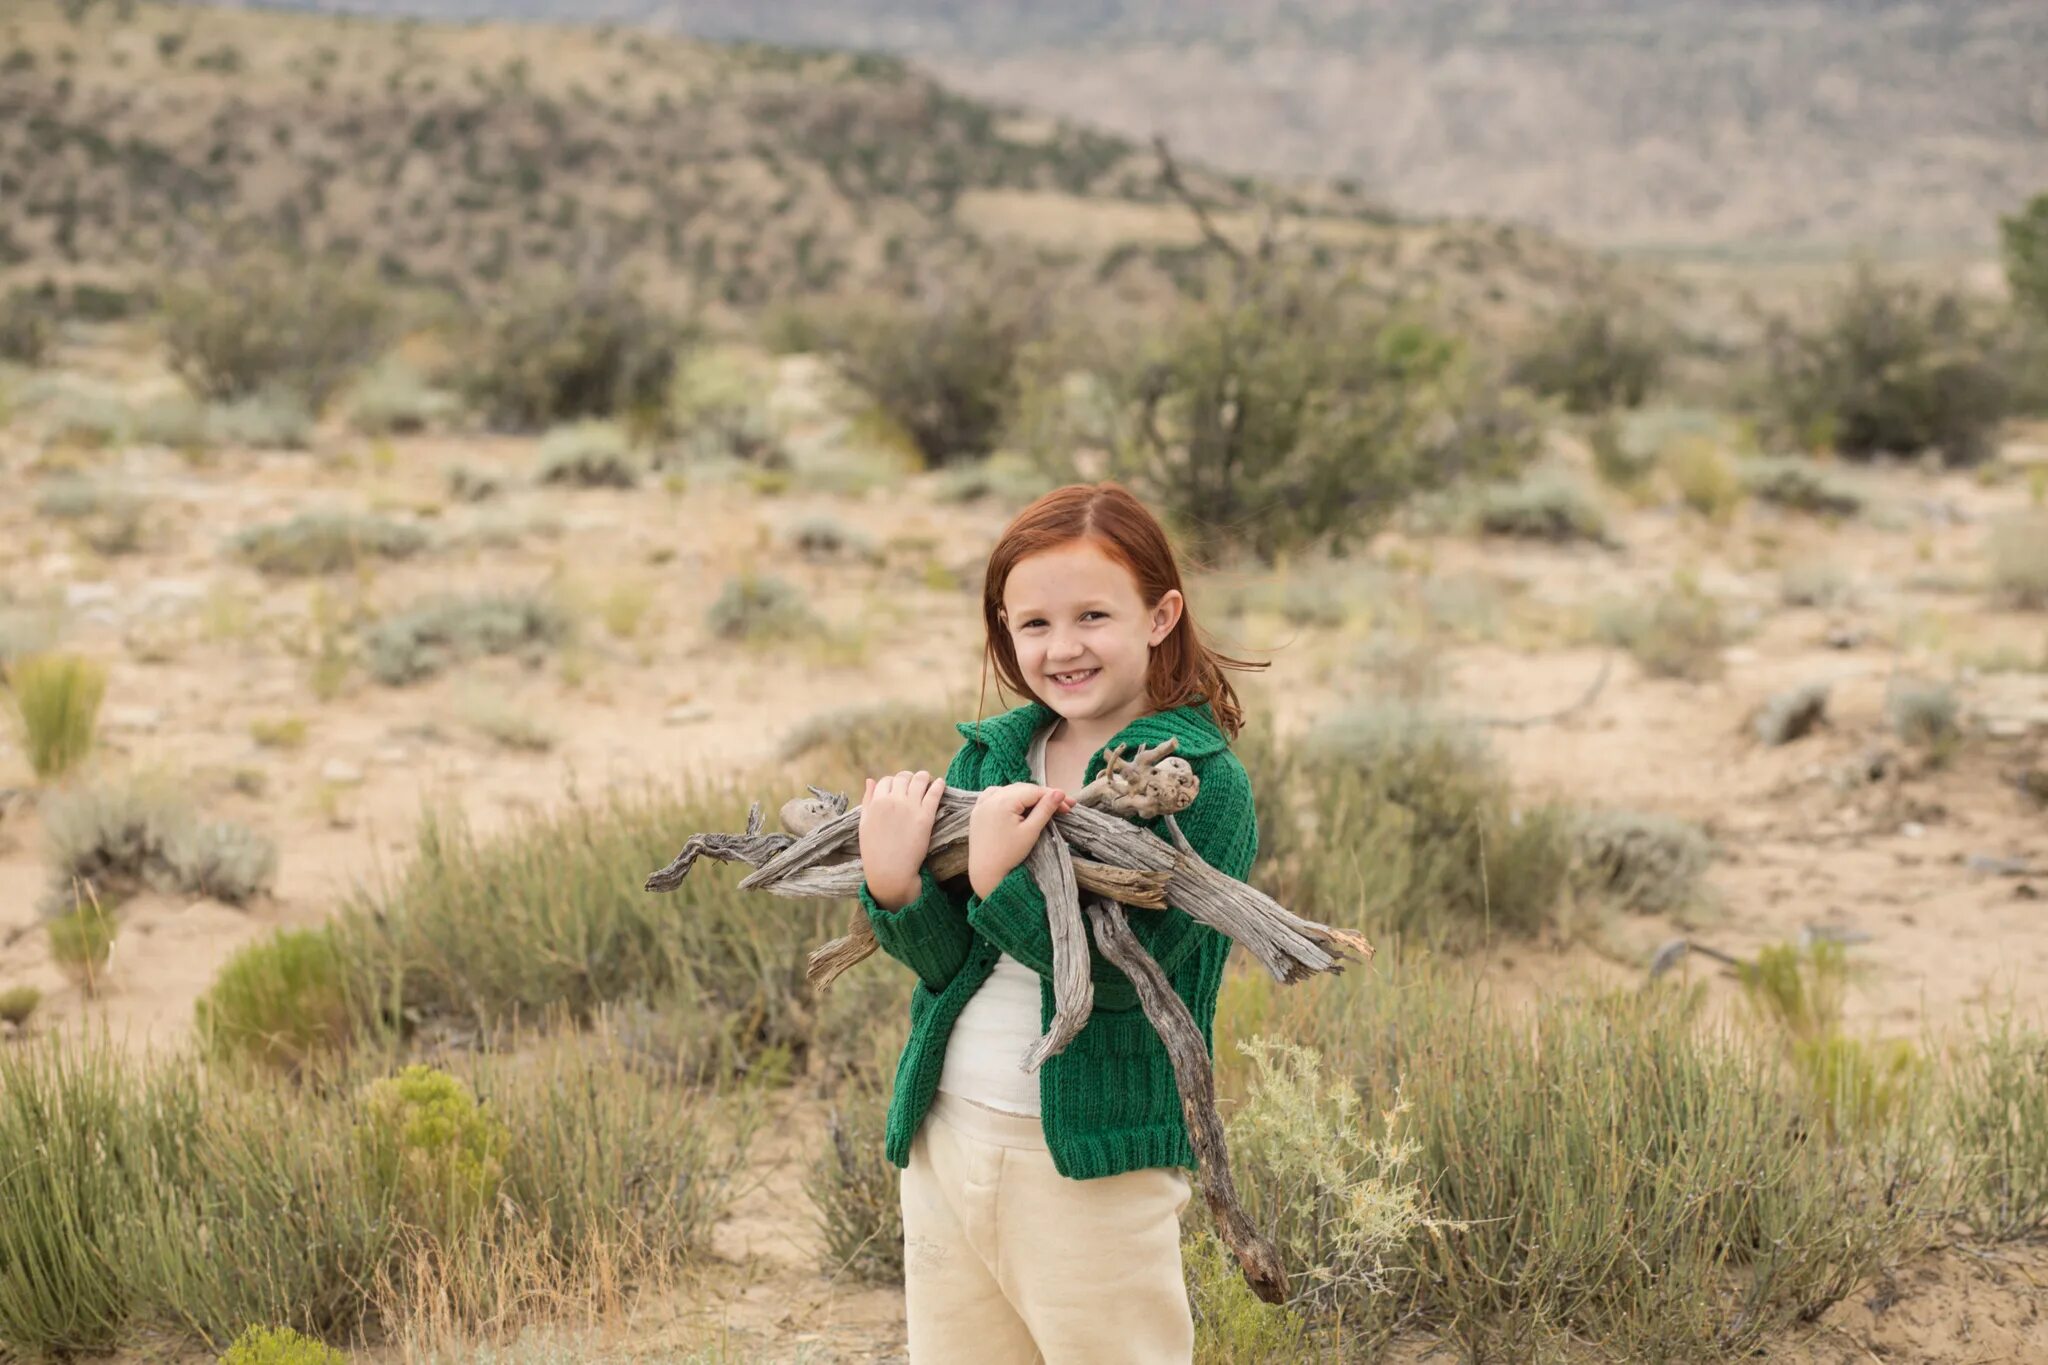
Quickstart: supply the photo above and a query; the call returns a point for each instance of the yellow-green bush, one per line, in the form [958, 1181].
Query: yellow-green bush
[279, 1346]
[281, 1000]
[57, 701]
[426, 1138]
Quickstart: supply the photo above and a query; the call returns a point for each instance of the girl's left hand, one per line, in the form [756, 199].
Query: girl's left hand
[1005, 824]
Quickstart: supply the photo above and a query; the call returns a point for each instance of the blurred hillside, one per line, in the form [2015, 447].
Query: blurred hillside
[136, 136]
[1654, 123]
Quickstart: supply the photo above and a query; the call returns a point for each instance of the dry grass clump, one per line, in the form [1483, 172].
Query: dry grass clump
[847, 745]
[28, 328]
[1925, 715]
[56, 701]
[1544, 507]
[110, 838]
[1643, 861]
[589, 454]
[179, 1200]
[2018, 551]
[760, 609]
[826, 539]
[854, 1189]
[1706, 479]
[268, 420]
[1800, 485]
[1994, 1113]
[393, 400]
[325, 542]
[1678, 633]
[441, 631]
[283, 1000]
[1815, 584]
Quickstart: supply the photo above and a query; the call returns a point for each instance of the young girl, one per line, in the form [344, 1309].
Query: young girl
[1041, 1213]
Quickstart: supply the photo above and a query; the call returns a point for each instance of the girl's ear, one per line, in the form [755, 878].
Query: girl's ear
[1166, 615]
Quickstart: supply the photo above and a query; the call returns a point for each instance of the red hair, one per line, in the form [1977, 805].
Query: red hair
[1184, 669]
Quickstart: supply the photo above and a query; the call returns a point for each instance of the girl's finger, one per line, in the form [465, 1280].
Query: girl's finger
[932, 794]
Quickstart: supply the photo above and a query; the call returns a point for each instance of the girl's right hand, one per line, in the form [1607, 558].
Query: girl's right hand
[896, 815]
[1005, 824]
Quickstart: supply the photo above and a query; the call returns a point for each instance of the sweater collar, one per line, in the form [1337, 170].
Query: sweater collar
[1007, 737]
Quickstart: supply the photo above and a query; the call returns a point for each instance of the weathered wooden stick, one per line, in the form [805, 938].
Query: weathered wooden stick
[1073, 994]
[1194, 1075]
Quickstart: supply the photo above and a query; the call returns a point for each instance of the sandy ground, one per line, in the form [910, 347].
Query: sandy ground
[198, 647]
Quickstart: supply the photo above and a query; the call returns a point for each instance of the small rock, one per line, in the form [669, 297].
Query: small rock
[1792, 714]
[1990, 864]
[393, 754]
[1913, 829]
[2006, 727]
[341, 773]
[144, 718]
[88, 594]
[685, 715]
[1739, 654]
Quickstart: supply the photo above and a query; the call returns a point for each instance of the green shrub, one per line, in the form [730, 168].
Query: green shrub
[1433, 847]
[823, 538]
[562, 350]
[758, 608]
[280, 1000]
[1298, 416]
[178, 421]
[2018, 551]
[466, 483]
[1593, 358]
[1646, 862]
[57, 702]
[325, 542]
[28, 328]
[943, 368]
[1800, 485]
[1010, 479]
[267, 320]
[18, 1003]
[279, 1346]
[438, 632]
[2024, 237]
[1541, 508]
[588, 455]
[1891, 369]
[1679, 633]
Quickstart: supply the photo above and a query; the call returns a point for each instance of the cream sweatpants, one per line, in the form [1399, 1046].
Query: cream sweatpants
[1008, 1262]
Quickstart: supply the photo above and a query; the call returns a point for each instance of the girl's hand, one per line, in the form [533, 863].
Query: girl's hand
[896, 815]
[1005, 824]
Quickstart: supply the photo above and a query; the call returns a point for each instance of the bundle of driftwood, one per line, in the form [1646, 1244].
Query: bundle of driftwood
[1093, 848]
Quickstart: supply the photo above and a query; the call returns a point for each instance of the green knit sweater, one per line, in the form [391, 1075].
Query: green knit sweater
[1108, 1103]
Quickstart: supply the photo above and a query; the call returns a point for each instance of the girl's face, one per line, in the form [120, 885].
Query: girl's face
[1082, 633]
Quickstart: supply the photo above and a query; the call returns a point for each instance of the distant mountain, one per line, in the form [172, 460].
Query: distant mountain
[1688, 123]
[136, 135]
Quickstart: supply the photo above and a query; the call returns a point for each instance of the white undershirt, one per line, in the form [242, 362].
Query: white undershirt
[1000, 1022]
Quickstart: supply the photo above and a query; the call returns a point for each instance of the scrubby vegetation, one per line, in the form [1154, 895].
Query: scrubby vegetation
[565, 349]
[325, 542]
[440, 631]
[1892, 369]
[588, 455]
[1678, 633]
[270, 320]
[113, 836]
[1542, 508]
[1595, 357]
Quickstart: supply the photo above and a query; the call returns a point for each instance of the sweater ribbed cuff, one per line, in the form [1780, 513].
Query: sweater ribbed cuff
[929, 935]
